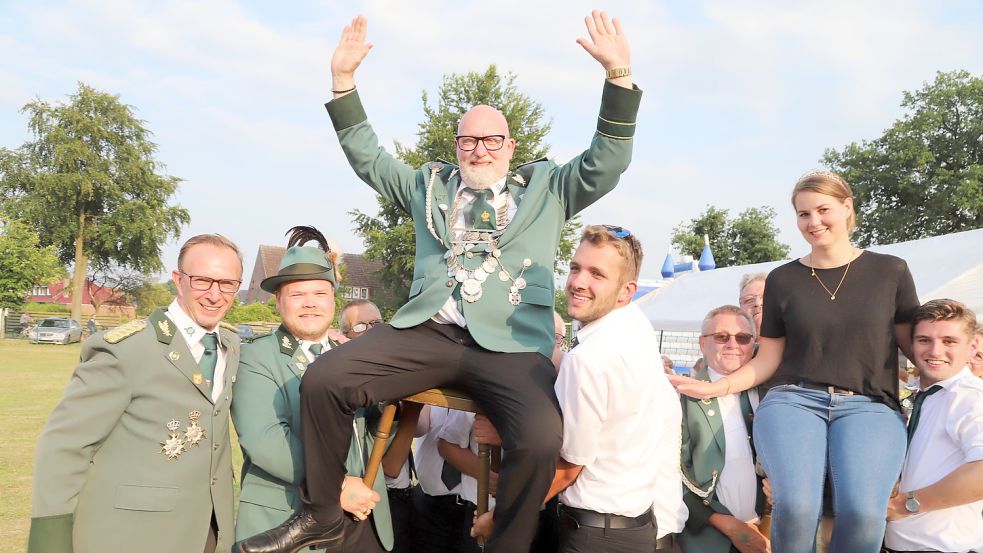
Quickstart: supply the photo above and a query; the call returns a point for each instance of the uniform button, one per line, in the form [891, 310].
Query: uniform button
[214, 481]
[451, 282]
[217, 412]
[215, 447]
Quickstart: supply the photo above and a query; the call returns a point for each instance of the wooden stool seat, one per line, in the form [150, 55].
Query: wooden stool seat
[439, 397]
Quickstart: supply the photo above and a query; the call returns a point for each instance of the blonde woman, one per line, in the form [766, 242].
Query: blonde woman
[833, 321]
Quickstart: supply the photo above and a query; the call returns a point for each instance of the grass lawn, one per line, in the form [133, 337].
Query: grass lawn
[33, 377]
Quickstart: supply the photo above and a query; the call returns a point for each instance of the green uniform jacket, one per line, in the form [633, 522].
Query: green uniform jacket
[266, 414]
[547, 195]
[703, 454]
[102, 481]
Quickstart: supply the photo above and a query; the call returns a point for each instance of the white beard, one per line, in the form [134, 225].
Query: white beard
[479, 178]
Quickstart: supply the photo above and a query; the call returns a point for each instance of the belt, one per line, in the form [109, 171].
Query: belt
[831, 390]
[584, 517]
[886, 549]
[665, 542]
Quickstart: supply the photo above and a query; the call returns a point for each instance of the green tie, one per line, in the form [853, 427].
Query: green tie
[481, 216]
[916, 411]
[316, 349]
[209, 358]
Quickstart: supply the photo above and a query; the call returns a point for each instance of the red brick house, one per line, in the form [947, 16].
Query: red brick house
[360, 280]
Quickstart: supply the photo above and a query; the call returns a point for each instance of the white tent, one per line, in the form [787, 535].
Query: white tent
[949, 266]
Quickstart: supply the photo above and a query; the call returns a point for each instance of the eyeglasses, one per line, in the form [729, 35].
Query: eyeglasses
[618, 232]
[203, 283]
[492, 142]
[362, 327]
[743, 338]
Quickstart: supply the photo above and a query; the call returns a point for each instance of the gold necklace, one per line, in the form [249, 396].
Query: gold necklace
[832, 295]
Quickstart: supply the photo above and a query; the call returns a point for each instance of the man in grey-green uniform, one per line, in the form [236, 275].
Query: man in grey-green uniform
[136, 455]
[480, 312]
[266, 404]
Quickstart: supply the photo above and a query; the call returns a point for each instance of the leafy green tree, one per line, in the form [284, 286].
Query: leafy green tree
[750, 238]
[151, 295]
[89, 184]
[389, 236]
[24, 263]
[924, 176]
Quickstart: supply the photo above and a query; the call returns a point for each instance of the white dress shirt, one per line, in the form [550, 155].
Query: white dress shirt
[621, 421]
[305, 346]
[193, 333]
[429, 463]
[449, 312]
[737, 487]
[457, 430]
[949, 435]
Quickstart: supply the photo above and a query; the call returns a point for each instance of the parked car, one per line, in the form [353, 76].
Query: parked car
[245, 332]
[57, 330]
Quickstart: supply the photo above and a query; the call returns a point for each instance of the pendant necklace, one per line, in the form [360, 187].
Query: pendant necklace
[832, 294]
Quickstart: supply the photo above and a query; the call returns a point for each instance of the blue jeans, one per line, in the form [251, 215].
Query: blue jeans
[798, 433]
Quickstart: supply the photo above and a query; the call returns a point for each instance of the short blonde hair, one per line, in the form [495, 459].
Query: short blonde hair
[830, 184]
[728, 310]
[628, 247]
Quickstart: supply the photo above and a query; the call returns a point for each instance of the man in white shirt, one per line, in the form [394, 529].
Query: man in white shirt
[619, 411]
[723, 492]
[940, 495]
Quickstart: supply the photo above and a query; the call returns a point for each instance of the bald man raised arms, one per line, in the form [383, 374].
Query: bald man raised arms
[479, 316]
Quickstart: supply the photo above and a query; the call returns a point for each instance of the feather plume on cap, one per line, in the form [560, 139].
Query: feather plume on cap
[302, 234]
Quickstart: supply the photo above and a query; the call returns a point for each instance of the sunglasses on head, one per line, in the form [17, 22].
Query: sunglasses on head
[743, 338]
[617, 232]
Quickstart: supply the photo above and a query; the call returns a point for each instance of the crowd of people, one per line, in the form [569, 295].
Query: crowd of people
[602, 449]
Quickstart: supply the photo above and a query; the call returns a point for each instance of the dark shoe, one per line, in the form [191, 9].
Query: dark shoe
[298, 532]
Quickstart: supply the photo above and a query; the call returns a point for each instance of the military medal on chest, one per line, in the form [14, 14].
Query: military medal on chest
[173, 447]
[194, 434]
[484, 226]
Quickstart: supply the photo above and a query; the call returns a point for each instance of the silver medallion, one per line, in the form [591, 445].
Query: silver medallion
[458, 249]
[479, 274]
[497, 252]
[461, 275]
[503, 276]
[515, 298]
[526, 262]
[485, 236]
[469, 255]
[471, 235]
[489, 264]
[520, 283]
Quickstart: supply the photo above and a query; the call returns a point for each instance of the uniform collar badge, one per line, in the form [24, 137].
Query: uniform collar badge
[165, 327]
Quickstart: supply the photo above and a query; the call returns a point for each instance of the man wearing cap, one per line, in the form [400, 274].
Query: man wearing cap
[479, 315]
[266, 404]
[136, 455]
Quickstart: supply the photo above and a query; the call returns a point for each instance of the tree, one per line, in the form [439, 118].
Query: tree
[750, 238]
[924, 176]
[389, 236]
[89, 184]
[24, 263]
[151, 295]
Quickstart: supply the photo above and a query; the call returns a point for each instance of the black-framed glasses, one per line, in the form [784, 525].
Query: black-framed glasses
[743, 338]
[362, 327]
[203, 283]
[492, 142]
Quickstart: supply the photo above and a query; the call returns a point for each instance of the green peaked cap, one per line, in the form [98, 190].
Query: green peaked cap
[301, 263]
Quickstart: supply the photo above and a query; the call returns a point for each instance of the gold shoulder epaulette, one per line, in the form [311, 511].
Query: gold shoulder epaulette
[228, 326]
[123, 332]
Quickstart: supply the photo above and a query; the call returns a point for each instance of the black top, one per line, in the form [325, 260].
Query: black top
[847, 342]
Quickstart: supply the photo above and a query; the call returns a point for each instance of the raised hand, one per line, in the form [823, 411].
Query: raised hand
[349, 54]
[699, 389]
[607, 43]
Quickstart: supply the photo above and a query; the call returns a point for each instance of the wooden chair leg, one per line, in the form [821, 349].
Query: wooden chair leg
[379, 446]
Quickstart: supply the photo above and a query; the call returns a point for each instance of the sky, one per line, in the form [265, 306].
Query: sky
[740, 98]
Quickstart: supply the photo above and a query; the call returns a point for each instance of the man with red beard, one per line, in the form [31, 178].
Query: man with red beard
[479, 315]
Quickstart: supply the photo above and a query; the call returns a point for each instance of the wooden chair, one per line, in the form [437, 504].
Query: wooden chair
[440, 397]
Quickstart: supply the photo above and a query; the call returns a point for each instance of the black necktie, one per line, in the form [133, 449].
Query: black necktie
[316, 349]
[916, 411]
[210, 357]
[575, 342]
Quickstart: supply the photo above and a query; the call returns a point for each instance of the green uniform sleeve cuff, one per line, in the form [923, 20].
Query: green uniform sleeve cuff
[699, 512]
[51, 534]
[619, 109]
[346, 111]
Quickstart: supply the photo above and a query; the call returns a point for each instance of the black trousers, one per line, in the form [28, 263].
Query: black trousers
[404, 525]
[437, 522]
[514, 390]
